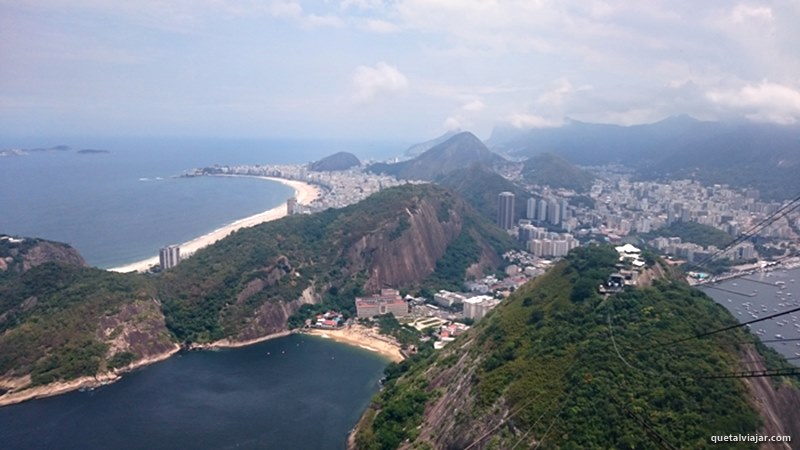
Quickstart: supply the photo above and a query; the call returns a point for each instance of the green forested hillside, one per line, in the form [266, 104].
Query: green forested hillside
[60, 321]
[697, 233]
[480, 186]
[543, 367]
[217, 292]
[50, 319]
[547, 169]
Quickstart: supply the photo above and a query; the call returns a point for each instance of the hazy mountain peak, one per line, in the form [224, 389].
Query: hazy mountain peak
[422, 147]
[459, 151]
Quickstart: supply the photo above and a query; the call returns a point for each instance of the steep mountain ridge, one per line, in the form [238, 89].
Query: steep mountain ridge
[460, 151]
[554, 365]
[393, 238]
[422, 147]
[479, 186]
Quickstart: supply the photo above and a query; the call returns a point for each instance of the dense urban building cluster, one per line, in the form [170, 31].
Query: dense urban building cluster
[340, 188]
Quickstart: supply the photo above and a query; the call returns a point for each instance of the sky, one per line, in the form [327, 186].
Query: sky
[403, 69]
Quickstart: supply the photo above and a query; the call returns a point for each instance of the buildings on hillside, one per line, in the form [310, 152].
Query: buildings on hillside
[388, 301]
[169, 256]
[447, 299]
[476, 308]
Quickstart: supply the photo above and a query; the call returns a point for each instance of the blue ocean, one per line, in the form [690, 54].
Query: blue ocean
[120, 207]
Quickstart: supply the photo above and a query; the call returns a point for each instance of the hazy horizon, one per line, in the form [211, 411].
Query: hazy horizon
[367, 69]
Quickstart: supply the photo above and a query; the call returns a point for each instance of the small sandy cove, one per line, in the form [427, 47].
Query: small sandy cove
[366, 338]
[304, 192]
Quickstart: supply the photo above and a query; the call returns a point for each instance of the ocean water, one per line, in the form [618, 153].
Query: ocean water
[761, 295]
[297, 392]
[121, 207]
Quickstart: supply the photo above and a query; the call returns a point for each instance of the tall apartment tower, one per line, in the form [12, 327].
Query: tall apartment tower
[505, 210]
[530, 212]
[541, 211]
[169, 256]
[554, 212]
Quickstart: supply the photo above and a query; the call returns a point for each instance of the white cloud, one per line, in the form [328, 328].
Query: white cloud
[522, 120]
[742, 13]
[371, 81]
[555, 97]
[764, 102]
[452, 123]
[360, 4]
[285, 9]
[379, 26]
[473, 106]
[314, 20]
[292, 10]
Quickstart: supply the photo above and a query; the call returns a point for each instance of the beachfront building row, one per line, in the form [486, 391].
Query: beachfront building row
[388, 301]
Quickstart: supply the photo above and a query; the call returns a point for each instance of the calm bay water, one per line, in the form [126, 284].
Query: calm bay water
[290, 393]
[761, 295]
[297, 392]
[122, 207]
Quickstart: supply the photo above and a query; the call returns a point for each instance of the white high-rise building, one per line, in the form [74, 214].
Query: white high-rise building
[169, 257]
[541, 212]
[530, 212]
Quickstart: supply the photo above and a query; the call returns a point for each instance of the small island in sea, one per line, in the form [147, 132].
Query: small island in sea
[93, 151]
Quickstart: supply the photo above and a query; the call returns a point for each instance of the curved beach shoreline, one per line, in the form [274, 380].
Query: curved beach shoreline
[304, 192]
[356, 335]
[363, 337]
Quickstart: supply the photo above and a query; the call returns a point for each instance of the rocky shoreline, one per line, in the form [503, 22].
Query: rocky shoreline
[12, 396]
[358, 338]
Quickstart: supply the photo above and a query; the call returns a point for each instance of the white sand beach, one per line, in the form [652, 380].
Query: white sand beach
[304, 192]
[366, 338]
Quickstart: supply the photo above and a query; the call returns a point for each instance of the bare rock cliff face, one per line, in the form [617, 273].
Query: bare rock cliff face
[271, 317]
[410, 257]
[45, 251]
[21, 255]
[777, 406]
[138, 328]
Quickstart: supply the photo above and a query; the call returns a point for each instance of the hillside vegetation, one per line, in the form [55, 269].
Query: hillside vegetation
[547, 169]
[542, 368]
[694, 232]
[60, 320]
[479, 186]
[335, 162]
[246, 285]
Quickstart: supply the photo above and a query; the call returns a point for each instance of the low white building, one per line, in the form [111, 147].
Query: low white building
[476, 308]
[447, 298]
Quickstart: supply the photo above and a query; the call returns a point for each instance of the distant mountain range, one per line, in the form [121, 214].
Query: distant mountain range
[459, 151]
[764, 156]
